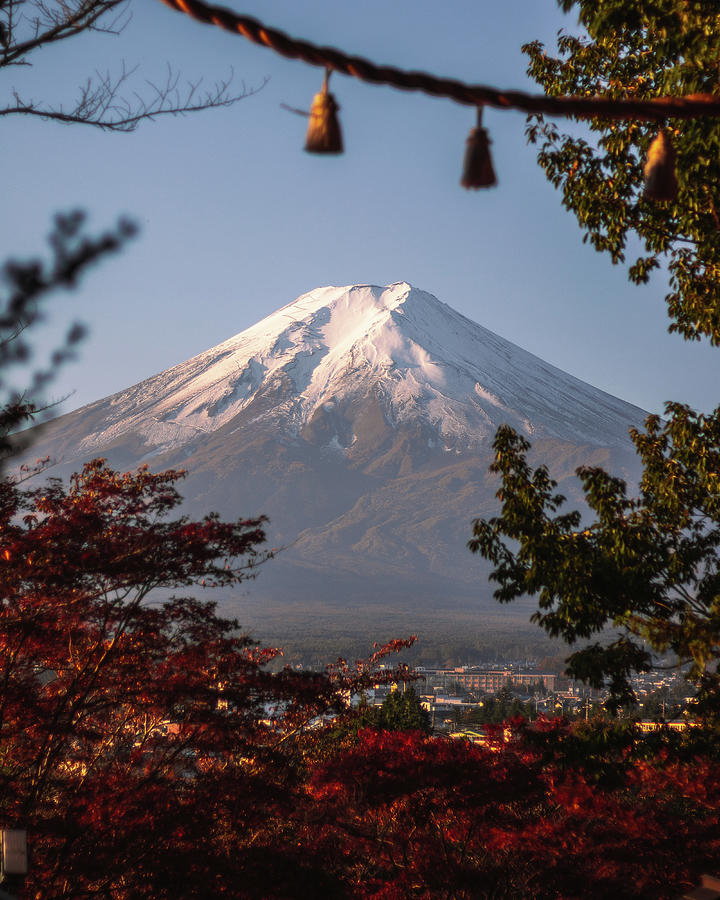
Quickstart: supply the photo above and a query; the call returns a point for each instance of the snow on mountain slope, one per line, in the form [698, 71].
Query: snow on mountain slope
[421, 360]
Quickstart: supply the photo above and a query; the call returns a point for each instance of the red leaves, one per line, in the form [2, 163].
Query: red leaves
[393, 646]
[110, 531]
[143, 744]
[131, 718]
[150, 754]
[403, 808]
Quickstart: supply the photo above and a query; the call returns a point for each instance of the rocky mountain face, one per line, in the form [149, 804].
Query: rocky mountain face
[360, 420]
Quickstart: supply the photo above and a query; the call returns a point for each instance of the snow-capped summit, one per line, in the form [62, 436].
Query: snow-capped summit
[360, 420]
[310, 369]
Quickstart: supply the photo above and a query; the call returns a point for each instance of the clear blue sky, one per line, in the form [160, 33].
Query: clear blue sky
[236, 220]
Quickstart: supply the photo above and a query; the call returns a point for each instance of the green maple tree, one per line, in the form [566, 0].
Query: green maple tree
[647, 565]
[641, 50]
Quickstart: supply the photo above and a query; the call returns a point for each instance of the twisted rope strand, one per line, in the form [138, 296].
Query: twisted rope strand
[654, 110]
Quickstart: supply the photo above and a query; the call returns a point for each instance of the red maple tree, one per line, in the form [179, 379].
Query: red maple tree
[144, 745]
[401, 815]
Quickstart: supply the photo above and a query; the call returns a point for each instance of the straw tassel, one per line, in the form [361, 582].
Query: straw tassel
[324, 134]
[660, 179]
[478, 169]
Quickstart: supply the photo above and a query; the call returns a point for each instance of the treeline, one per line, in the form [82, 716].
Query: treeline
[446, 647]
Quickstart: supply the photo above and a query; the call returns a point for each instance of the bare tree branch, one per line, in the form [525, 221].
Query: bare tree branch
[47, 22]
[102, 104]
[105, 101]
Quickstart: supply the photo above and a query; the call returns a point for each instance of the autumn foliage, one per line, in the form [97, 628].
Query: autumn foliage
[410, 816]
[149, 751]
[143, 743]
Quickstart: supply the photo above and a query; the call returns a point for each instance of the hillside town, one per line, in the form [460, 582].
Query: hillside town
[461, 700]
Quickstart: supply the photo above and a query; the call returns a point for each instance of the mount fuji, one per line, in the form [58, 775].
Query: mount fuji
[360, 420]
